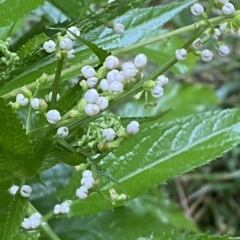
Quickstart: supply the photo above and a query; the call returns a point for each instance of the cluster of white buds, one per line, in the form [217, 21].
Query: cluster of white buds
[33, 222]
[65, 43]
[21, 99]
[62, 208]
[87, 182]
[25, 190]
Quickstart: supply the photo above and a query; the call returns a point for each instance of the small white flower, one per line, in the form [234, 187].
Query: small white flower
[197, 43]
[57, 209]
[116, 86]
[35, 222]
[87, 182]
[216, 34]
[133, 127]
[53, 116]
[62, 132]
[114, 75]
[140, 60]
[104, 85]
[109, 134]
[102, 102]
[118, 28]
[91, 109]
[49, 97]
[129, 70]
[223, 50]
[88, 71]
[13, 189]
[92, 81]
[20, 98]
[82, 192]
[157, 91]
[71, 54]
[91, 95]
[206, 55]
[111, 62]
[35, 102]
[25, 191]
[228, 9]
[26, 224]
[66, 44]
[197, 9]
[75, 30]
[49, 46]
[181, 54]
[65, 208]
[87, 173]
[161, 80]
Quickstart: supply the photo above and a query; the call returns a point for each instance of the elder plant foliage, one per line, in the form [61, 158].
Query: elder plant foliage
[86, 127]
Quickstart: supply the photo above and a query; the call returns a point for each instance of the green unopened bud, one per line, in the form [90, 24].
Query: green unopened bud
[42, 106]
[26, 92]
[102, 72]
[122, 133]
[43, 79]
[14, 105]
[84, 85]
[81, 167]
[148, 85]
[74, 113]
[81, 105]
[138, 95]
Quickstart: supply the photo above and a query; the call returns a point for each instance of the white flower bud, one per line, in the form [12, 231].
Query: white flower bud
[206, 55]
[91, 95]
[133, 127]
[75, 30]
[181, 54]
[25, 191]
[109, 134]
[62, 132]
[197, 9]
[140, 60]
[26, 224]
[102, 102]
[92, 81]
[35, 103]
[13, 189]
[228, 9]
[20, 98]
[118, 28]
[87, 182]
[129, 70]
[116, 86]
[161, 80]
[104, 85]
[157, 91]
[197, 43]
[49, 97]
[91, 109]
[53, 116]
[114, 75]
[82, 192]
[35, 222]
[57, 209]
[216, 34]
[66, 44]
[71, 54]
[111, 62]
[87, 173]
[88, 71]
[223, 50]
[65, 208]
[49, 46]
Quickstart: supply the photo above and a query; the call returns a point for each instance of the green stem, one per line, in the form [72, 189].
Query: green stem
[44, 226]
[84, 10]
[55, 86]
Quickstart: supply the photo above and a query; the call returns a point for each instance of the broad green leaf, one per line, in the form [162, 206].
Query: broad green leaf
[27, 235]
[17, 211]
[4, 209]
[163, 150]
[12, 10]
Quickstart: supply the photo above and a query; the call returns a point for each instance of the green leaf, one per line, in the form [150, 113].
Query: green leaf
[12, 10]
[32, 44]
[162, 150]
[27, 235]
[17, 211]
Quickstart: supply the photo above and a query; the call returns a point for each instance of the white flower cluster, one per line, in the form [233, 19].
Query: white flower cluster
[87, 182]
[65, 43]
[25, 190]
[33, 222]
[62, 208]
[108, 81]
